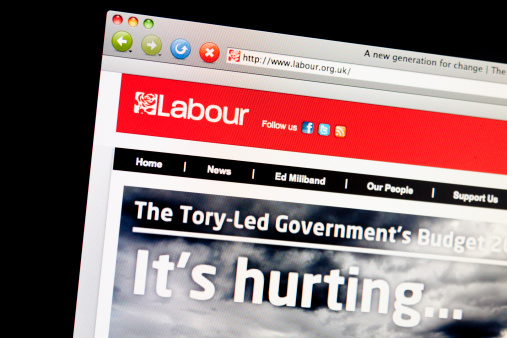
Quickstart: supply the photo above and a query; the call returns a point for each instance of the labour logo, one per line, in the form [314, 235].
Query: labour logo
[153, 104]
[146, 103]
[234, 55]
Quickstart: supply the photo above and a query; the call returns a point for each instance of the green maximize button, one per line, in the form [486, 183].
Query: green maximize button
[151, 44]
[122, 41]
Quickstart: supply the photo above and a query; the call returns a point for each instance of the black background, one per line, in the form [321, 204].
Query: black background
[71, 76]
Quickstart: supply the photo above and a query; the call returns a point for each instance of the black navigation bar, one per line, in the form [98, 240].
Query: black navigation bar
[304, 178]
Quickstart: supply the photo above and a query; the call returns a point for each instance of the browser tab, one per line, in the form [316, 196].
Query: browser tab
[380, 75]
[497, 70]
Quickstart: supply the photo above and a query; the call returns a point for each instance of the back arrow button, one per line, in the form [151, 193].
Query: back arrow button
[122, 41]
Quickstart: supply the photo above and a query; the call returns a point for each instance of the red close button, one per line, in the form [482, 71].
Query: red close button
[209, 52]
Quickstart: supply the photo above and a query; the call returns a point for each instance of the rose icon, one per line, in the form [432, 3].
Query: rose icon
[146, 103]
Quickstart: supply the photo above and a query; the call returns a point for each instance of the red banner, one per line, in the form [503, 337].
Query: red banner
[260, 119]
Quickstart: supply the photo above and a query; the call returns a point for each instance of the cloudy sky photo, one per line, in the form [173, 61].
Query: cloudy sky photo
[479, 290]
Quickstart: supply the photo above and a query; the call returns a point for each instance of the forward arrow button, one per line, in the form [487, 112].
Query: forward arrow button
[152, 44]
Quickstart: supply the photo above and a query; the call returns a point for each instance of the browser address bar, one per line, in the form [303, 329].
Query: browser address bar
[365, 73]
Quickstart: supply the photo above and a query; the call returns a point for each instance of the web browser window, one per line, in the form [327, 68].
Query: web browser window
[243, 186]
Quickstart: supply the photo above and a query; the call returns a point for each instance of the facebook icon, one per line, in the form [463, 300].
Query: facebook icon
[307, 127]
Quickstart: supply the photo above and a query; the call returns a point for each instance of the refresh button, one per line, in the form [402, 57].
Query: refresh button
[180, 48]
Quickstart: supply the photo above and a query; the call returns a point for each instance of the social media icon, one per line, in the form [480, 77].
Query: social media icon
[307, 127]
[180, 48]
[324, 129]
[340, 131]
[209, 52]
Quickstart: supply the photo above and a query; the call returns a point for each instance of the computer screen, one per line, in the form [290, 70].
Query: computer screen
[252, 183]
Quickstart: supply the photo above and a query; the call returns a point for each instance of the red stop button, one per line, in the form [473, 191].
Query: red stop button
[209, 52]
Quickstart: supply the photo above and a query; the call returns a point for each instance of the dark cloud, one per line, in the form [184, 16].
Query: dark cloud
[471, 329]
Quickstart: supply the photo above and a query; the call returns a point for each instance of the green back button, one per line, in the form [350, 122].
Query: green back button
[151, 44]
[122, 41]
